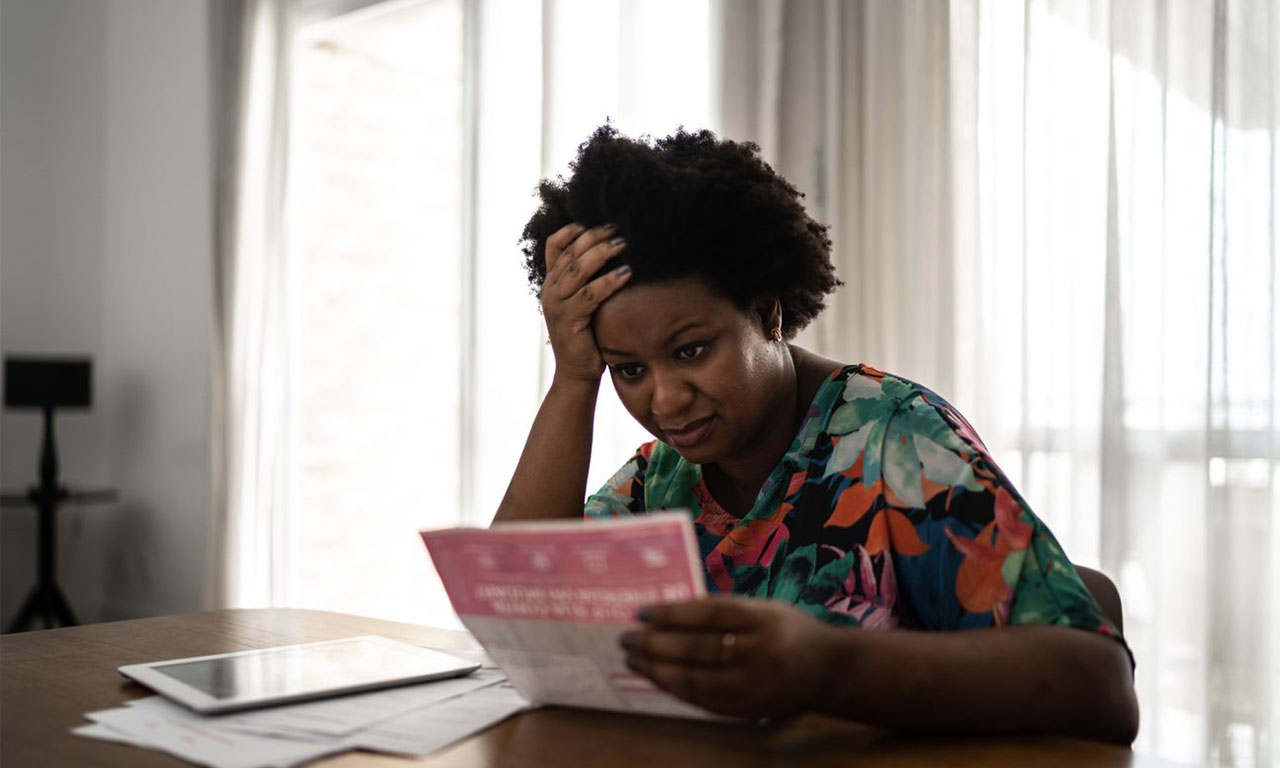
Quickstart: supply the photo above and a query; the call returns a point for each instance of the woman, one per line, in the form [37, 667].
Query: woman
[826, 497]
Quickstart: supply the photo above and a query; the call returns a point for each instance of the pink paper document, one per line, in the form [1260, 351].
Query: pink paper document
[549, 600]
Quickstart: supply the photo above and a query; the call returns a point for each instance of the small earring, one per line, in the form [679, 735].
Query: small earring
[777, 334]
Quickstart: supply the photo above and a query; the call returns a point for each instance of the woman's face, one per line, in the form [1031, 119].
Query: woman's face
[696, 371]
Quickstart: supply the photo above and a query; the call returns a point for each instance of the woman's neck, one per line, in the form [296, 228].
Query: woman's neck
[736, 483]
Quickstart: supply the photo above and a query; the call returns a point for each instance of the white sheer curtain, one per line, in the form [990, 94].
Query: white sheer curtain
[1144, 197]
[849, 101]
[252, 40]
[538, 77]
[1062, 216]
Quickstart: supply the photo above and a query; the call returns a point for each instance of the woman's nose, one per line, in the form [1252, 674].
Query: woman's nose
[671, 395]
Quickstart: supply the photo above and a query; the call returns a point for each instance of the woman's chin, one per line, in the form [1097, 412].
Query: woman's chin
[698, 446]
[702, 453]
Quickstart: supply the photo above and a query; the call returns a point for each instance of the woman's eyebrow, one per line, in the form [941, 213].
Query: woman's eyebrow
[671, 337]
[676, 333]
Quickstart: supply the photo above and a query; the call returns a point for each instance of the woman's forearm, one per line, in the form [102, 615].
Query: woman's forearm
[1011, 679]
[551, 478]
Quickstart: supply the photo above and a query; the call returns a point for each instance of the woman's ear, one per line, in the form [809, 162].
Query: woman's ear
[769, 310]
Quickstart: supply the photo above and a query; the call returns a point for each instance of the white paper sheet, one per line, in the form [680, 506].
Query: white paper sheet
[441, 714]
[181, 732]
[107, 733]
[423, 731]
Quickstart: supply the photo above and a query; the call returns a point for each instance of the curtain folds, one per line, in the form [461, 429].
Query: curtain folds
[1062, 215]
[252, 40]
[850, 104]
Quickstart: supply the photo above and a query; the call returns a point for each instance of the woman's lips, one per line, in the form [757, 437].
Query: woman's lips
[692, 433]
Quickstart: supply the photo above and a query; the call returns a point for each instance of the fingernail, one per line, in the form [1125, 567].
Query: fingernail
[644, 614]
[623, 270]
[619, 240]
[633, 663]
[627, 641]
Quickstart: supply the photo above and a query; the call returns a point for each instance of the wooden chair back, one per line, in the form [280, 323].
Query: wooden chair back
[1104, 594]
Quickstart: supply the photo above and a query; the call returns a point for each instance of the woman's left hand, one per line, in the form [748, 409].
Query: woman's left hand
[734, 656]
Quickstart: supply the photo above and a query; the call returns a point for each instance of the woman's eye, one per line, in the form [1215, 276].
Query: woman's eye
[627, 370]
[690, 352]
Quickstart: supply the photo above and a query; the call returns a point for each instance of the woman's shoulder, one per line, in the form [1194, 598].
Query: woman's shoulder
[870, 381]
[863, 381]
[847, 383]
[859, 396]
[816, 373]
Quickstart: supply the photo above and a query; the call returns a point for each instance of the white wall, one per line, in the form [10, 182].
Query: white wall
[105, 250]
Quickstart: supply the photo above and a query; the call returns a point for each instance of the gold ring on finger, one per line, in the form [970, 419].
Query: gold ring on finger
[728, 641]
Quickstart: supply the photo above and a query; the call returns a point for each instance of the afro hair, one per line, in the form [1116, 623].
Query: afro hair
[692, 205]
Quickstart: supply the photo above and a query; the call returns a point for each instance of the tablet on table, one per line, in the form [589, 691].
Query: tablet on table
[226, 682]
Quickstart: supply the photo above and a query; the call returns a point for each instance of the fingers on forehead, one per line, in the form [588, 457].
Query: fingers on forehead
[565, 235]
[595, 257]
[590, 238]
[595, 292]
[557, 264]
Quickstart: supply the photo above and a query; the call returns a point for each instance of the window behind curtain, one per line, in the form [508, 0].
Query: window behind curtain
[1125, 288]
[376, 237]
[380, 198]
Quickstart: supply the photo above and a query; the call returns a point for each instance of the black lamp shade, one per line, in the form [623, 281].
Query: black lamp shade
[43, 382]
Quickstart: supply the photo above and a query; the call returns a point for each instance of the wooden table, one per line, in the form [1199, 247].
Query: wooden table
[49, 679]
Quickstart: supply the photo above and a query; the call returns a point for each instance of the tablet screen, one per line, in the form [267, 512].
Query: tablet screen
[253, 678]
[281, 671]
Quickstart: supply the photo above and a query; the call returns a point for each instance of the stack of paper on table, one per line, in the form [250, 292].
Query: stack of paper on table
[549, 600]
[410, 720]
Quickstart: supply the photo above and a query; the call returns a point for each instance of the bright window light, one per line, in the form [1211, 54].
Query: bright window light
[376, 198]
[381, 189]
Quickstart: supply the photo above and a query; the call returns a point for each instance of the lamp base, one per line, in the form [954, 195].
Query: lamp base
[46, 599]
[47, 602]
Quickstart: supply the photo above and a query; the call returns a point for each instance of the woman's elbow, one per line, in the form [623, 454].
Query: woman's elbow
[1117, 708]
[1093, 673]
[1121, 719]
[1127, 714]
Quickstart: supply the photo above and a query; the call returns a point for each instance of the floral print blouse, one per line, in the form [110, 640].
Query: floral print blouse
[886, 511]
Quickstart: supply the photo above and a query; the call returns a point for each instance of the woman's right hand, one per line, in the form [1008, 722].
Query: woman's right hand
[570, 297]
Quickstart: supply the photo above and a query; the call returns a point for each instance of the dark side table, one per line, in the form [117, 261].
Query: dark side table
[46, 599]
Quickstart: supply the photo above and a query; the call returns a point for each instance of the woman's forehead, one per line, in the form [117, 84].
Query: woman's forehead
[653, 313]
